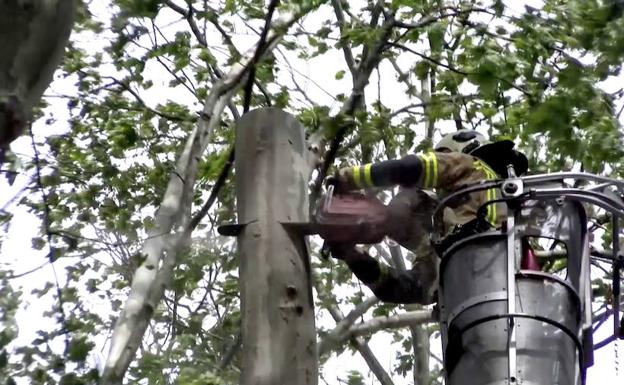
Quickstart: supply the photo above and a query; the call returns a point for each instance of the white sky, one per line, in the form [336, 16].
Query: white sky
[16, 250]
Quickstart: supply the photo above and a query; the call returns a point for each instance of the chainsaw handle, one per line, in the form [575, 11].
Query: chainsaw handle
[328, 197]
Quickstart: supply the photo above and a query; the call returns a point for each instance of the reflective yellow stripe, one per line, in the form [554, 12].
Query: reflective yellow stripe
[435, 170]
[488, 214]
[491, 217]
[490, 194]
[494, 214]
[431, 170]
[368, 179]
[356, 177]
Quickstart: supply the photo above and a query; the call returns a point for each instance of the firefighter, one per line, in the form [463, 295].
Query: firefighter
[460, 158]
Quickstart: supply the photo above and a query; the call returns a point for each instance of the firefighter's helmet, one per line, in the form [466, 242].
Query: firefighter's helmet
[497, 154]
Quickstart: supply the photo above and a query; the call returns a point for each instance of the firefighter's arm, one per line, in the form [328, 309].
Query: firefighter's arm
[396, 286]
[388, 284]
[428, 170]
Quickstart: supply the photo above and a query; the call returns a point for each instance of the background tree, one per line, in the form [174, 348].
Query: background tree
[128, 167]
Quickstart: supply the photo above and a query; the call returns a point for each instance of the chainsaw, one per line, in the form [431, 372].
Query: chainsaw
[357, 218]
[352, 217]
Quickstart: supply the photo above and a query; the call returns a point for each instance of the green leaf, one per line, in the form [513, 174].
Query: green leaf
[139, 8]
[71, 379]
[436, 37]
[422, 69]
[79, 348]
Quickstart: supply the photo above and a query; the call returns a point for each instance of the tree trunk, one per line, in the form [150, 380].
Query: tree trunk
[277, 310]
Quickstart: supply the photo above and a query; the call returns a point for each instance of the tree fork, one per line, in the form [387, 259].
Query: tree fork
[277, 309]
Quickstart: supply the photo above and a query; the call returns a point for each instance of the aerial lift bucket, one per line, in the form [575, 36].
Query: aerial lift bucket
[515, 302]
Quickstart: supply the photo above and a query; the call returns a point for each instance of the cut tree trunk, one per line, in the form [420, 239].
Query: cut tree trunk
[277, 309]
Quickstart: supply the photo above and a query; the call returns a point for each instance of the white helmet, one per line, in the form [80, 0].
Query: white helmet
[496, 154]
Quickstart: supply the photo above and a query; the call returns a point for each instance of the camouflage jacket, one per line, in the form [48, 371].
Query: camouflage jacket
[444, 172]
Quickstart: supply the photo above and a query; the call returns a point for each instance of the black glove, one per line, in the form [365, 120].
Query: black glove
[342, 251]
[342, 180]
[365, 267]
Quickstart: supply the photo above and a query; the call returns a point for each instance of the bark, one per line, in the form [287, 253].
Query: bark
[172, 223]
[376, 324]
[33, 38]
[277, 307]
[333, 340]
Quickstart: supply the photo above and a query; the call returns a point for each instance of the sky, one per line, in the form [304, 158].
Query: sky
[17, 252]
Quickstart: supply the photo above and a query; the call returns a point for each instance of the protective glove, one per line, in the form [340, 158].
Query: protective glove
[342, 180]
[342, 251]
[365, 267]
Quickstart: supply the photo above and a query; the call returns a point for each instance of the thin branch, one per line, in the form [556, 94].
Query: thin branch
[213, 18]
[51, 250]
[307, 78]
[20, 275]
[348, 55]
[140, 100]
[256, 57]
[188, 84]
[428, 20]
[383, 253]
[214, 193]
[420, 336]
[428, 58]
[18, 194]
[373, 325]
[335, 336]
[364, 350]
[453, 69]
[374, 20]
[435, 357]
[351, 105]
[188, 15]
[230, 352]
[402, 320]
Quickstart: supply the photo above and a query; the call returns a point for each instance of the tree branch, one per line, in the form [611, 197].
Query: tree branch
[453, 69]
[351, 105]
[334, 337]
[52, 251]
[348, 55]
[420, 337]
[428, 20]
[416, 317]
[214, 20]
[364, 350]
[140, 100]
[256, 58]
[214, 193]
[407, 319]
[230, 352]
[188, 15]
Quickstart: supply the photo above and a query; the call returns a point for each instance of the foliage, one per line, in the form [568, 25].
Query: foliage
[136, 76]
